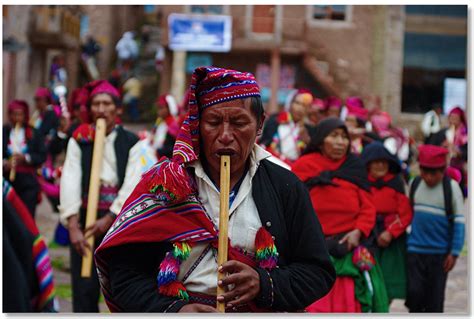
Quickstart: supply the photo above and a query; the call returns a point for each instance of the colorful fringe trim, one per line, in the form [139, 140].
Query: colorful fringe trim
[266, 253]
[169, 181]
[84, 134]
[44, 272]
[168, 283]
[45, 300]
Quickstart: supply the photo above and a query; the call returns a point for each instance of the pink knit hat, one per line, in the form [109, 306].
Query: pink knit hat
[333, 102]
[355, 107]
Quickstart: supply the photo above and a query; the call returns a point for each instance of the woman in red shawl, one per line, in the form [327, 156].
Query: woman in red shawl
[341, 198]
[23, 147]
[394, 215]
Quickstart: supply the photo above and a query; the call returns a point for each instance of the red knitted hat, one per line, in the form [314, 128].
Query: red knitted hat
[216, 85]
[42, 92]
[333, 101]
[432, 156]
[20, 105]
[102, 86]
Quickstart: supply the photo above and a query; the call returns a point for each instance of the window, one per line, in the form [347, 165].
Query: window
[207, 9]
[263, 20]
[431, 56]
[329, 12]
[444, 11]
[84, 25]
[429, 60]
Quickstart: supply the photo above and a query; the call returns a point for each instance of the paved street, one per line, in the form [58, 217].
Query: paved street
[456, 292]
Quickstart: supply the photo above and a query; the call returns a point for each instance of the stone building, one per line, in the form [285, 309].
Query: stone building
[338, 50]
[33, 34]
[403, 54]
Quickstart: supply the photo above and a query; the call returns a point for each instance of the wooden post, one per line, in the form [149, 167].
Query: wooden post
[275, 80]
[178, 74]
[94, 187]
[223, 224]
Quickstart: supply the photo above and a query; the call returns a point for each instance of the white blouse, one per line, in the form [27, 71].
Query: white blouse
[141, 156]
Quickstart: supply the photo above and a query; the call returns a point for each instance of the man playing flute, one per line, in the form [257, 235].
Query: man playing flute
[120, 171]
[160, 255]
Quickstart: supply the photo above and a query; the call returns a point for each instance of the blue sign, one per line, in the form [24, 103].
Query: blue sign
[191, 32]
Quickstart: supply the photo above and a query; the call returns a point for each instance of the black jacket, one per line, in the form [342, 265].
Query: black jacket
[49, 124]
[304, 273]
[36, 146]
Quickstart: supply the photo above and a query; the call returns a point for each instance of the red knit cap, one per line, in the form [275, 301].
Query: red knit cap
[333, 102]
[432, 156]
[354, 101]
[459, 111]
[216, 85]
[44, 93]
[20, 105]
[102, 86]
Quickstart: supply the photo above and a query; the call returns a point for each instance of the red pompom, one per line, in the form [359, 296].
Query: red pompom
[283, 117]
[263, 239]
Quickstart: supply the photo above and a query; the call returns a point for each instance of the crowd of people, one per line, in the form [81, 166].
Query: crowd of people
[326, 211]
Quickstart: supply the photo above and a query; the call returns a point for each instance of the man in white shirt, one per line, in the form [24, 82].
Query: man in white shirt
[124, 159]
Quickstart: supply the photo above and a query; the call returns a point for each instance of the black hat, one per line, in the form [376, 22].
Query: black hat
[322, 130]
[377, 151]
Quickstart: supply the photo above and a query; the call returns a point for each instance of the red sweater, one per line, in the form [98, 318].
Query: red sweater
[339, 208]
[394, 205]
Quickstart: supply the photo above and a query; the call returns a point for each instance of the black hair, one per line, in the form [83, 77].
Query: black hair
[256, 107]
[321, 131]
[360, 123]
[431, 170]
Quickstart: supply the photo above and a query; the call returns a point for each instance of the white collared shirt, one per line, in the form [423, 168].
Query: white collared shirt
[140, 158]
[244, 222]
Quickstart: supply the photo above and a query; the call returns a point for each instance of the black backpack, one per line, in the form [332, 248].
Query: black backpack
[448, 196]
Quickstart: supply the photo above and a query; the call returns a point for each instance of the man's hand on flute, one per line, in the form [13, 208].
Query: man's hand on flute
[246, 283]
[76, 236]
[78, 241]
[101, 226]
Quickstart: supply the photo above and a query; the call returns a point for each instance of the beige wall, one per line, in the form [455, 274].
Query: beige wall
[16, 24]
[107, 23]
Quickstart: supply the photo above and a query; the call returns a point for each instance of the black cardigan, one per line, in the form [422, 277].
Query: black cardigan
[36, 146]
[304, 272]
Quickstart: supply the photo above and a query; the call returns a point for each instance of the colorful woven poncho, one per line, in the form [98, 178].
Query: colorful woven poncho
[165, 206]
[45, 300]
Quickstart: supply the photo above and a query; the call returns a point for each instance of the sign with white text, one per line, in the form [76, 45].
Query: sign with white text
[192, 32]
